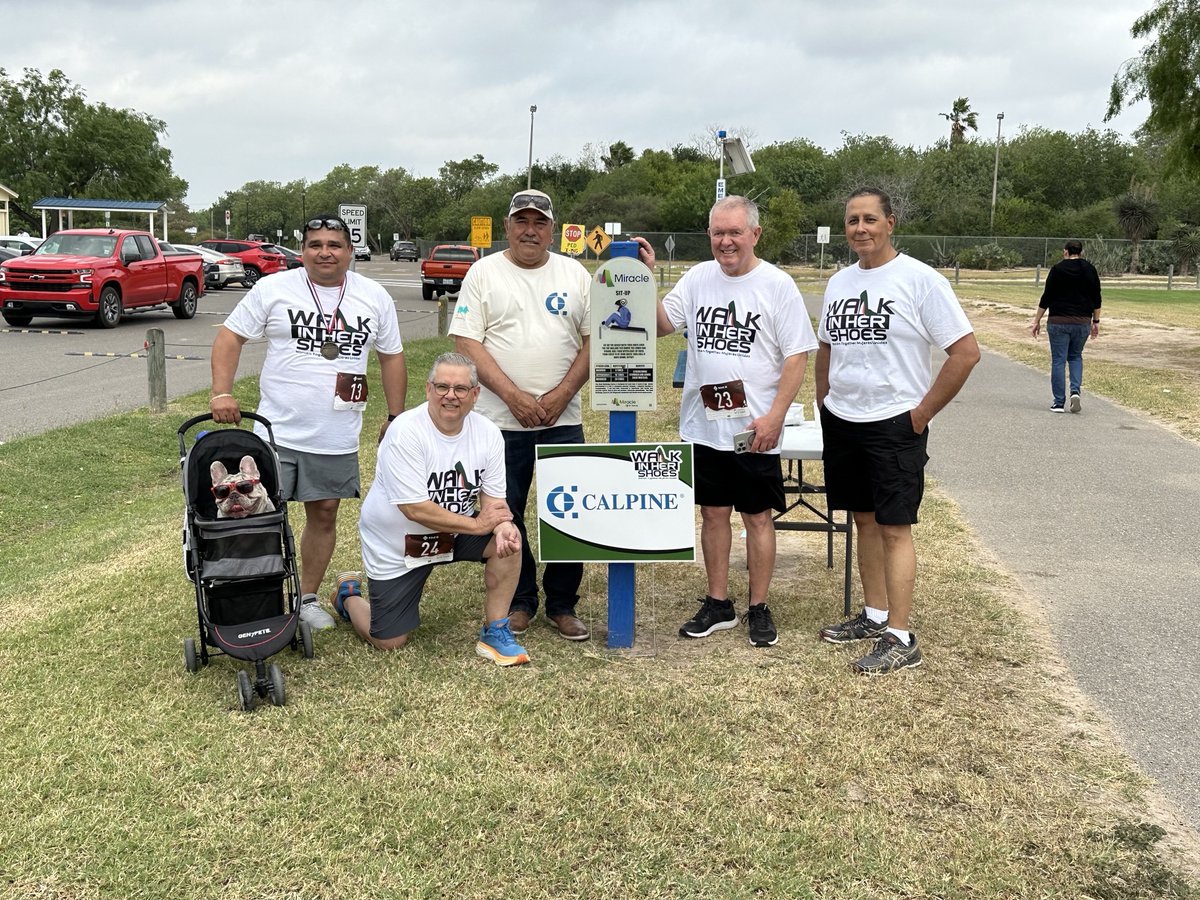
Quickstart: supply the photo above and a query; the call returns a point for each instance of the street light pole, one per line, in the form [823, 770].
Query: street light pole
[529, 168]
[995, 174]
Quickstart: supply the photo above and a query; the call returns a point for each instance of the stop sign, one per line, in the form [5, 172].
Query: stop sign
[573, 233]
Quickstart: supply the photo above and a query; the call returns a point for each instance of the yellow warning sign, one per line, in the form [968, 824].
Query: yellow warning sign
[598, 240]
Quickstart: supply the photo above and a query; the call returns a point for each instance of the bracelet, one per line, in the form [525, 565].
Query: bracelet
[218, 397]
[392, 417]
[1095, 321]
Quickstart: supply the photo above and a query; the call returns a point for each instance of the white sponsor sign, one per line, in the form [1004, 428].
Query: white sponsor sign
[615, 502]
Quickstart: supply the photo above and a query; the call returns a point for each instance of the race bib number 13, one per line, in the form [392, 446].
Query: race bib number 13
[350, 392]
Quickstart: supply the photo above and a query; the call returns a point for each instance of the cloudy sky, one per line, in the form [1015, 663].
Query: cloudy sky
[288, 90]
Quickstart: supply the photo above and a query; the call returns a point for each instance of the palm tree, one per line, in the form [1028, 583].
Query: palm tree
[1137, 217]
[961, 117]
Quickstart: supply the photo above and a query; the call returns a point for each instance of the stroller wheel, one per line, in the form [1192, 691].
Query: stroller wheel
[278, 693]
[245, 690]
[190, 661]
[306, 639]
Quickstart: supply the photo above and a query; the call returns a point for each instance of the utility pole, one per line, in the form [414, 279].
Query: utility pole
[995, 174]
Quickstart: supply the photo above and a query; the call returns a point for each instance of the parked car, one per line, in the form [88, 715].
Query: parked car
[258, 258]
[363, 252]
[220, 270]
[8, 253]
[294, 260]
[404, 250]
[20, 243]
[98, 273]
[443, 270]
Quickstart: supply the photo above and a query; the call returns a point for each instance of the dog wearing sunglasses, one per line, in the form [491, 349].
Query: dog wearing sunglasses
[239, 494]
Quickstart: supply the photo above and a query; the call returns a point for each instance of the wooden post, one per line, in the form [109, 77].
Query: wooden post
[1037, 274]
[156, 366]
[442, 326]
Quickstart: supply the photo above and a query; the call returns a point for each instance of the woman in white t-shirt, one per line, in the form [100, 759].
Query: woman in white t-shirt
[877, 394]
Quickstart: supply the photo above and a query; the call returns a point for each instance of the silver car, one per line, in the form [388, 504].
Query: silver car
[219, 270]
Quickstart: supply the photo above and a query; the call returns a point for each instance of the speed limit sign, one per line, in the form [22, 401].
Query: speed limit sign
[355, 218]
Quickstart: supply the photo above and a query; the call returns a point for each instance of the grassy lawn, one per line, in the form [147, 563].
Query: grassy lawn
[676, 769]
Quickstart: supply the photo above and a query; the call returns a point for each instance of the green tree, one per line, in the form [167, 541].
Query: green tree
[1167, 73]
[783, 221]
[961, 117]
[53, 142]
[1137, 216]
[459, 178]
[619, 154]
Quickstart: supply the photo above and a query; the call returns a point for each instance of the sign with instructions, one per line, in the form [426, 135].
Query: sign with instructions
[481, 231]
[624, 330]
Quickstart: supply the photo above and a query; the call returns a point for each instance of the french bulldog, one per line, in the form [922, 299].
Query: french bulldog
[239, 494]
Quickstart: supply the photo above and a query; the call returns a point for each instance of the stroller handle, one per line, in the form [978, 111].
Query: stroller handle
[207, 417]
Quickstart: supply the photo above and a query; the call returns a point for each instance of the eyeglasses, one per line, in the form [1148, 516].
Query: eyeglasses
[331, 224]
[460, 390]
[523, 201]
[246, 487]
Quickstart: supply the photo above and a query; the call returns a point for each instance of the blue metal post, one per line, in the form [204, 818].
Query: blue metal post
[622, 429]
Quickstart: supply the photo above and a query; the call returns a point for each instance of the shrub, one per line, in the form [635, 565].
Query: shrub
[988, 256]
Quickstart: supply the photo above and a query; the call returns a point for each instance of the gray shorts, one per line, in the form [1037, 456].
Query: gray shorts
[317, 476]
[395, 601]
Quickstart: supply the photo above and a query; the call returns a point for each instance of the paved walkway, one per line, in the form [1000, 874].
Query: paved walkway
[1098, 517]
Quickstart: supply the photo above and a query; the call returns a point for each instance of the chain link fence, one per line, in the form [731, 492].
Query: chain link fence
[1111, 256]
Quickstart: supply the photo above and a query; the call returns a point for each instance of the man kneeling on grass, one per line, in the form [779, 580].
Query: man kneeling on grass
[435, 462]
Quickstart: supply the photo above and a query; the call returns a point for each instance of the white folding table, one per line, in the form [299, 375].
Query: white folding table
[802, 443]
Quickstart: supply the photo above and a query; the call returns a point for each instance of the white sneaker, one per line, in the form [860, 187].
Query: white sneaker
[312, 613]
[1074, 403]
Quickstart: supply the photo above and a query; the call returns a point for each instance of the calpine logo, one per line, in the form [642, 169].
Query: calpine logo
[462, 309]
[556, 304]
[561, 502]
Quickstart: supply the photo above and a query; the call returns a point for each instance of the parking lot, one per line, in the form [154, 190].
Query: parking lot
[62, 371]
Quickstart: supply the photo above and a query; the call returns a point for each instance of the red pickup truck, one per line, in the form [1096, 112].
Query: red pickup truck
[444, 269]
[98, 273]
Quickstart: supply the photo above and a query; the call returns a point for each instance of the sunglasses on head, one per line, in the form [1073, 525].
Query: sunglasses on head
[523, 201]
[331, 224]
[245, 486]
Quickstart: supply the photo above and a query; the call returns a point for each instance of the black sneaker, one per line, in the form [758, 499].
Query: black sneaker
[888, 655]
[714, 615]
[762, 627]
[860, 628]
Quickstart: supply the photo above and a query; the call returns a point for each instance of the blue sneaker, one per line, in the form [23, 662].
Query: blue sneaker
[349, 584]
[496, 642]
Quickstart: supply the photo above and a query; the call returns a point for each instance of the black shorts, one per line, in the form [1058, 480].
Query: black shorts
[875, 467]
[394, 601]
[749, 482]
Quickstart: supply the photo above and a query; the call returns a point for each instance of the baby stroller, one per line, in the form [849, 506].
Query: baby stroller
[244, 570]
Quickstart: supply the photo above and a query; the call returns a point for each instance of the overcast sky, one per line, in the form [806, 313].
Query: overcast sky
[278, 91]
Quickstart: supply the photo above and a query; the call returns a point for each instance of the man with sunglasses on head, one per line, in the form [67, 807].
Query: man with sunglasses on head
[524, 318]
[320, 323]
[436, 463]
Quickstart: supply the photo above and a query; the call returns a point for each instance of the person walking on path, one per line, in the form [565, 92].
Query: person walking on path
[1072, 298]
[320, 323]
[877, 395]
